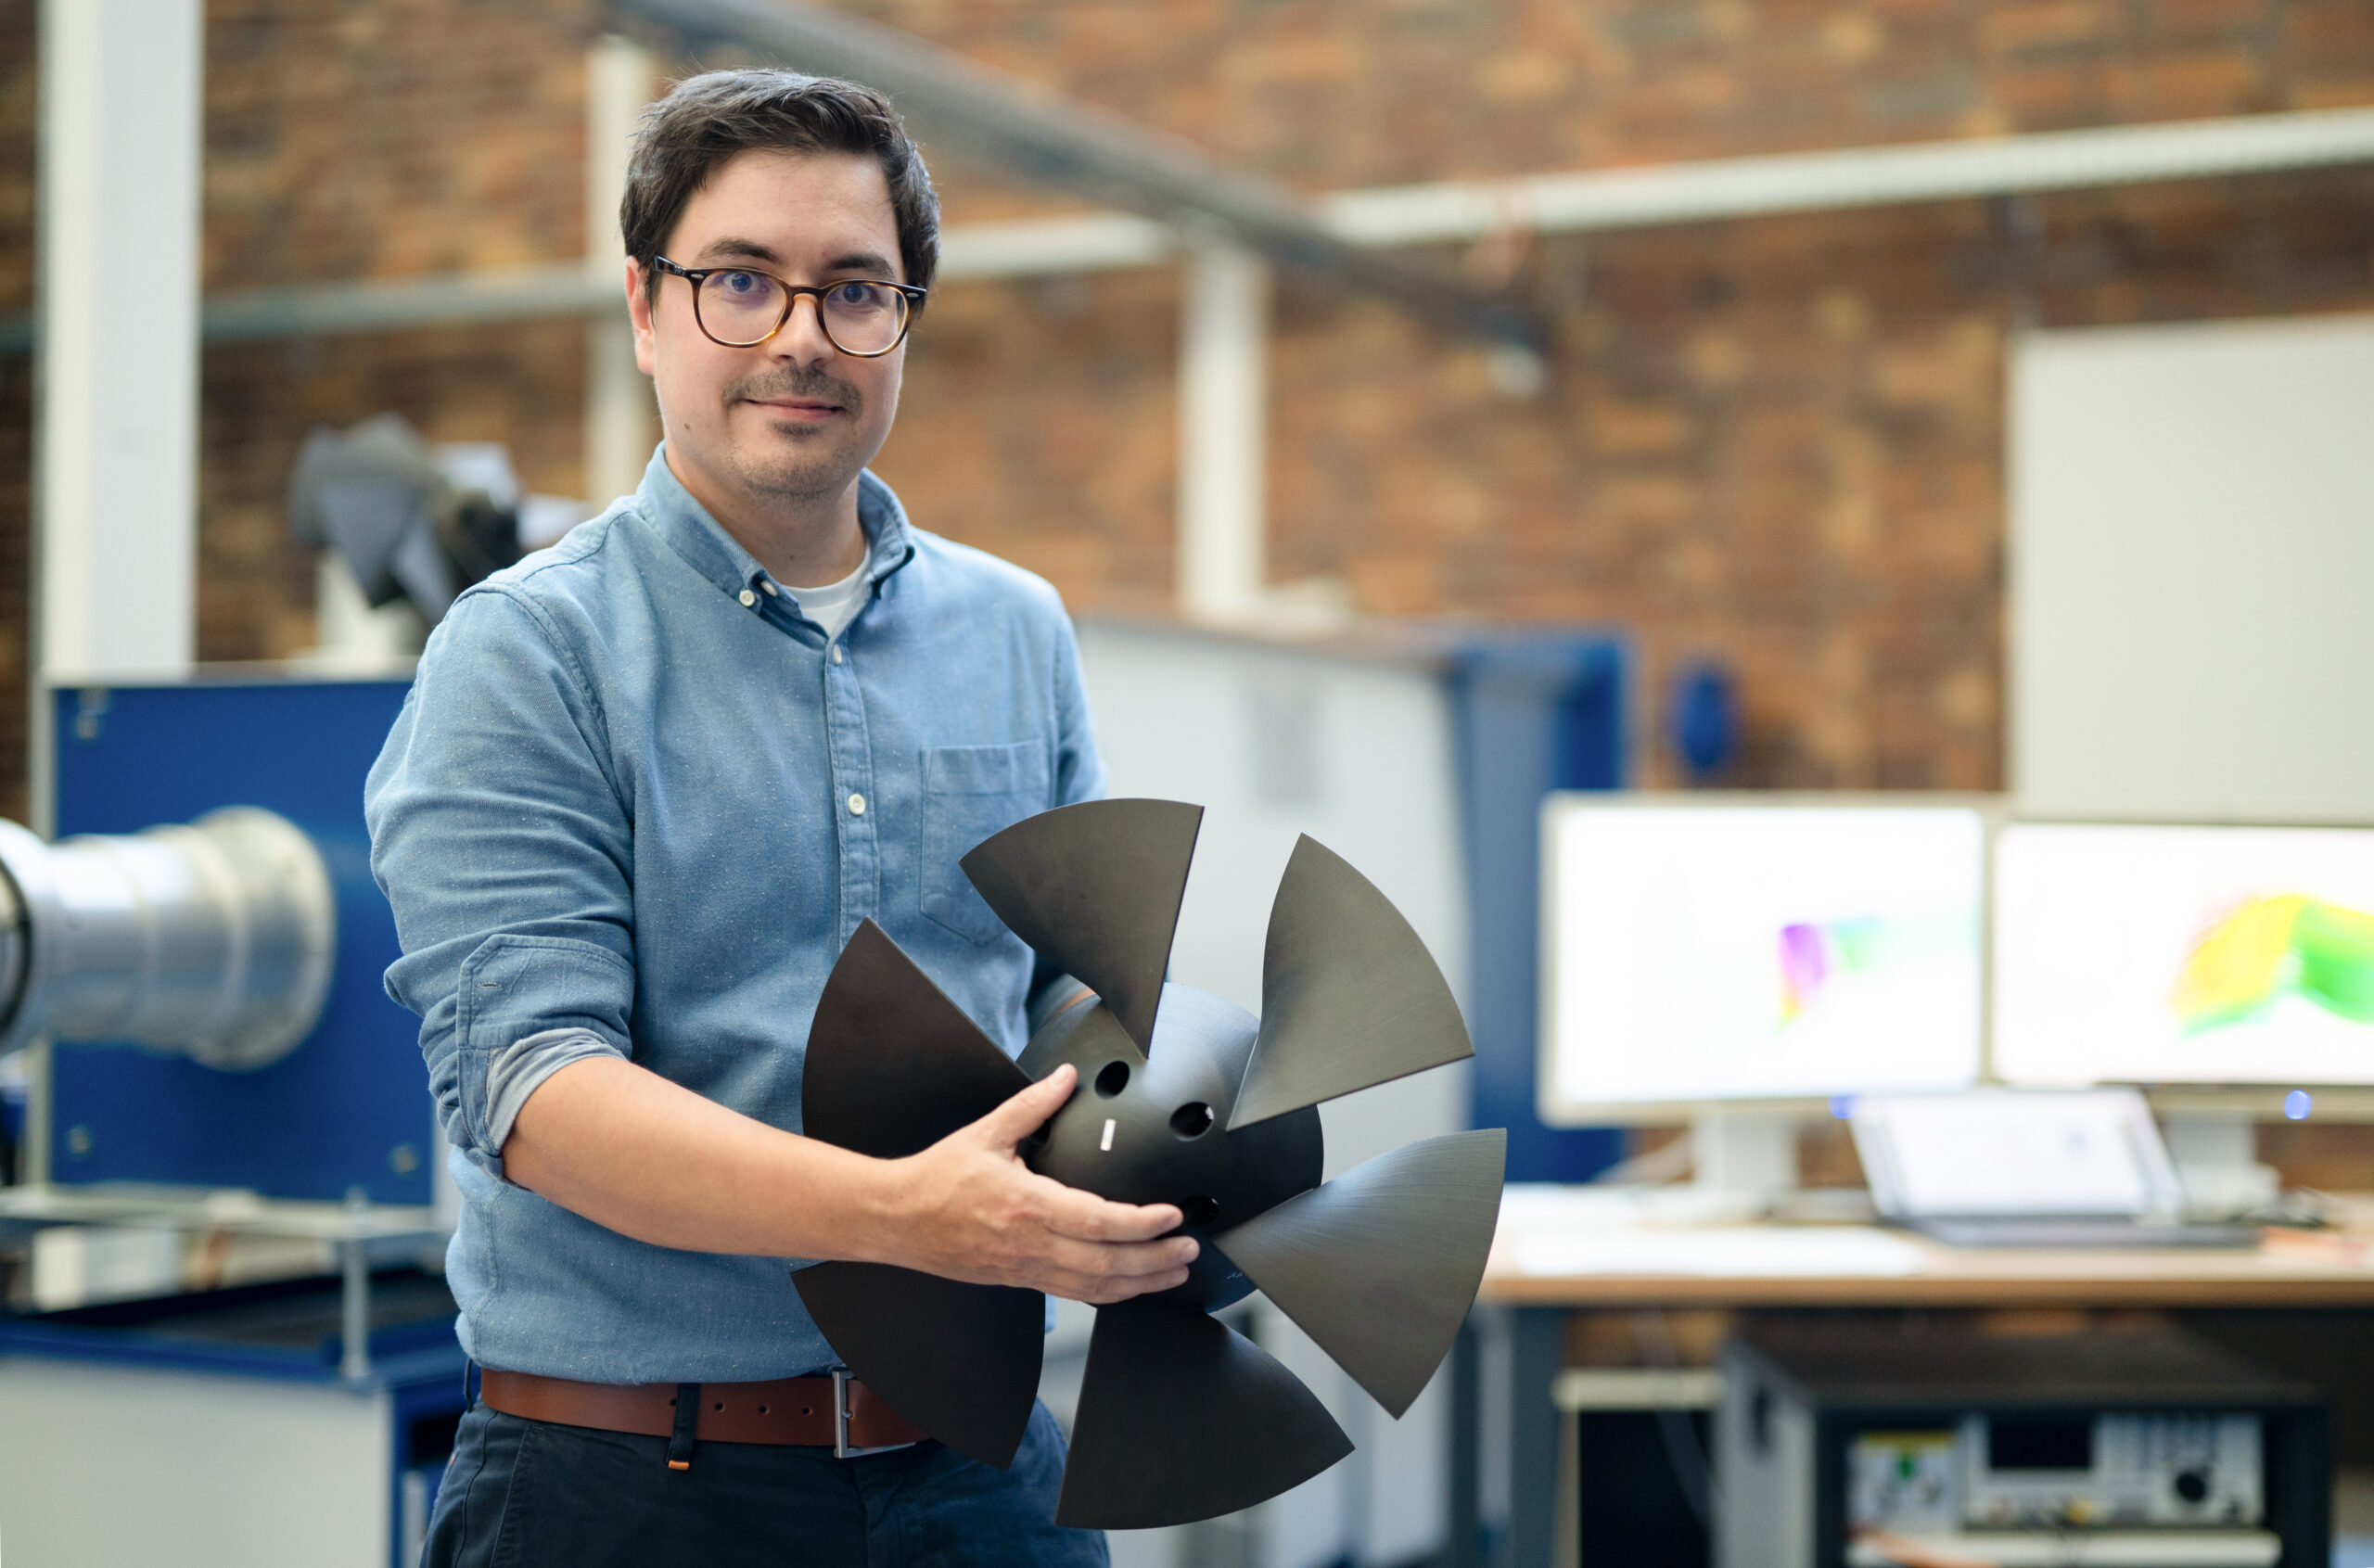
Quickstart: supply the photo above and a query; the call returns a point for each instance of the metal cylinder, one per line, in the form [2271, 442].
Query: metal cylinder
[214, 940]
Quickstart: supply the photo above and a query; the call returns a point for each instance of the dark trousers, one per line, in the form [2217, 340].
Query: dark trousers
[529, 1494]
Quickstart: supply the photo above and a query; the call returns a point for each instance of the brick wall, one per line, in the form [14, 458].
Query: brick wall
[1330, 92]
[1039, 423]
[373, 141]
[1778, 441]
[384, 139]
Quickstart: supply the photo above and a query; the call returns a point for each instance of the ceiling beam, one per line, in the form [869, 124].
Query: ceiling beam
[1840, 178]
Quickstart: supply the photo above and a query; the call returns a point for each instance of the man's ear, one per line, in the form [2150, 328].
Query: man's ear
[639, 312]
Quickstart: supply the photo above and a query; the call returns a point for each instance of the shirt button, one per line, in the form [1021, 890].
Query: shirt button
[768, 586]
[748, 598]
[857, 805]
[837, 653]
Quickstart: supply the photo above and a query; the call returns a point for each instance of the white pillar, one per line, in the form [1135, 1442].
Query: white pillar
[621, 422]
[121, 145]
[1223, 405]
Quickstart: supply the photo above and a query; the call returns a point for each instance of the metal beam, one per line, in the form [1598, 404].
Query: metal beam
[1223, 408]
[1851, 177]
[554, 288]
[521, 293]
[1088, 242]
[1070, 145]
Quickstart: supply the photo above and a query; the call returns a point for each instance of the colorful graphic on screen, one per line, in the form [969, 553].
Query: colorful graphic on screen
[2175, 953]
[1812, 952]
[1750, 951]
[2272, 947]
[1817, 955]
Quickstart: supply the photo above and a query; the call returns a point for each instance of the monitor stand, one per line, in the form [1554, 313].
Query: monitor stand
[2215, 1153]
[1744, 1160]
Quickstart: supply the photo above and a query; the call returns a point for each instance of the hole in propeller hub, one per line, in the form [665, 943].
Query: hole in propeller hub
[1153, 1129]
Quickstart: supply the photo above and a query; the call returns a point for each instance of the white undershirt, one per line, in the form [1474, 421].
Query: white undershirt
[834, 605]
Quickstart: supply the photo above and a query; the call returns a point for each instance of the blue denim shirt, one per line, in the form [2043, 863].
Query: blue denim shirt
[635, 804]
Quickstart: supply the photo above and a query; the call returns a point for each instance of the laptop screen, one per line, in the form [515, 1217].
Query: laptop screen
[2005, 1151]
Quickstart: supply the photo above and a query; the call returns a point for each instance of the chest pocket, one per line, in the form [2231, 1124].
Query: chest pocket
[971, 792]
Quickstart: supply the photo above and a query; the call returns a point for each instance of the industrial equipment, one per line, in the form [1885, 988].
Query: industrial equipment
[1838, 1447]
[213, 940]
[326, 1104]
[224, 1223]
[1183, 1098]
[381, 499]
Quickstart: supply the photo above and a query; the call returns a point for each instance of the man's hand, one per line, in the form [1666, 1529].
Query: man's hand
[651, 1159]
[968, 1209]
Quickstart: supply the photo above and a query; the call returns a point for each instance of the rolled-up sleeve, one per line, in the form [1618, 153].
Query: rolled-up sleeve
[500, 838]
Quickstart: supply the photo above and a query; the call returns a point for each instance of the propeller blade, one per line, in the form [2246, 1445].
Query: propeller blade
[893, 1065]
[1181, 1418]
[1350, 996]
[961, 1361]
[1095, 889]
[1380, 1266]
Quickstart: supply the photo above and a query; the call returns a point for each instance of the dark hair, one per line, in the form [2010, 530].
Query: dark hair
[707, 119]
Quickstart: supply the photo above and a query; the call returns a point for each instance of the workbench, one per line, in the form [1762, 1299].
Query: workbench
[1547, 1265]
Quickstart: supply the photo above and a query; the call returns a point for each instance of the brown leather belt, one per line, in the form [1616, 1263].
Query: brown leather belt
[834, 1411]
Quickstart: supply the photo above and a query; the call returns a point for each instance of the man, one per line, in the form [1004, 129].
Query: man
[646, 786]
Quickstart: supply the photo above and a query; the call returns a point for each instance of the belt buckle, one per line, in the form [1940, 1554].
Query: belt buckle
[841, 1449]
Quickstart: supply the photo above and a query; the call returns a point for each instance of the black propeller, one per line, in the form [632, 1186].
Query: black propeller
[1183, 1098]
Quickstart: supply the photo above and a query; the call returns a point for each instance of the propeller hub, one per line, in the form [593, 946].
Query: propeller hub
[1152, 1128]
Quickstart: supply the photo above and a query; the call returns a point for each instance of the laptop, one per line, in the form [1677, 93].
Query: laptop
[2014, 1168]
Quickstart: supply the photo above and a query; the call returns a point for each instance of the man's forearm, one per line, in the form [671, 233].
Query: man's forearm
[650, 1159]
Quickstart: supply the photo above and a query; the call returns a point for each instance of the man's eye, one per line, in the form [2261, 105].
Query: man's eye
[859, 296]
[741, 283]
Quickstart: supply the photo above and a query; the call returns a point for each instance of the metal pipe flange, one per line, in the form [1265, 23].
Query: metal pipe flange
[214, 940]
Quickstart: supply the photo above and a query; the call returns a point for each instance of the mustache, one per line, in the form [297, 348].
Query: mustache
[809, 384]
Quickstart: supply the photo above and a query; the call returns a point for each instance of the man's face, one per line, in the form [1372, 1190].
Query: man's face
[791, 421]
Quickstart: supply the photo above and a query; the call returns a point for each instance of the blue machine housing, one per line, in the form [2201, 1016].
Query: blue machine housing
[347, 1110]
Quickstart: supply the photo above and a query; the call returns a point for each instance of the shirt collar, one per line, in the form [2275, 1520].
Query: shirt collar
[685, 523]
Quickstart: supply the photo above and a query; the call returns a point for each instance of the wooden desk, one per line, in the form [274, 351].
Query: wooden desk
[2293, 1270]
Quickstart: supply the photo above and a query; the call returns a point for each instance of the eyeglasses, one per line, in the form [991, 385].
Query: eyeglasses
[736, 308]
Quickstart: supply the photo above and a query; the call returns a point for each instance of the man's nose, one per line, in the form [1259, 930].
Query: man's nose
[803, 337]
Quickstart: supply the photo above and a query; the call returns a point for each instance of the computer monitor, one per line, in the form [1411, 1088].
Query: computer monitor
[1756, 951]
[2184, 955]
